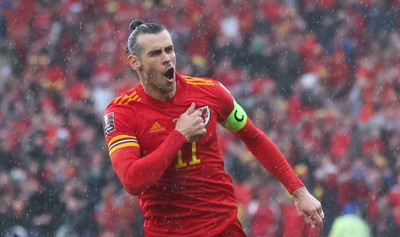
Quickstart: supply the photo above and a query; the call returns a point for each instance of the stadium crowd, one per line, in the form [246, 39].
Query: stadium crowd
[321, 78]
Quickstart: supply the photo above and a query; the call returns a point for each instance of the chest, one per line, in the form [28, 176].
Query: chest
[155, 123]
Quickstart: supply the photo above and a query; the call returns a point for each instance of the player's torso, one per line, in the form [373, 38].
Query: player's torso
[194, 196]
[157, 121]
[195, 182]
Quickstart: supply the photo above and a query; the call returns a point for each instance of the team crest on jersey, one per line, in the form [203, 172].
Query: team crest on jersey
[108, 123]
[206, 114]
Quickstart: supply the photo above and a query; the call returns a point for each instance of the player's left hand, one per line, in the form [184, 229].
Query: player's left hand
[309, 208]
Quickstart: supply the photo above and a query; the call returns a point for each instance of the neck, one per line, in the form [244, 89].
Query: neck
[159, 93]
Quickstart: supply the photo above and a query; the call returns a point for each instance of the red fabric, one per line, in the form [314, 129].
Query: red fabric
[294, 109]
[47, 103]
[200, 40]
[326, 3]
[235, 229]
[50, 138]
[76, 91]
[338, 71]
[372, 146]
[229, 78]
[177, 198]
[311, 138]
[350, 191]
[339, 145]
[366, 112]
[20, 126]
[127, 168]
[42, 21]
[119, 63]
[273, 11]
[122, 208]
[294, 225]
[243, 193]
[225, 140]
[388, 96]
[313, 58]
[394, 197]
[55, 74]
[264, 221]
[106, 216]
[309, 47]
[259, 84]
[269, 156]
[53, 78]
[245, 18]
[18, 19]
[358, 19]
[373, 208]
[368, 93]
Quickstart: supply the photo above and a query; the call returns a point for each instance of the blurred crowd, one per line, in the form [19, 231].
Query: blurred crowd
[321, 78]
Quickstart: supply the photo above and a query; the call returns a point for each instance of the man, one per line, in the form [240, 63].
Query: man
[163, 145]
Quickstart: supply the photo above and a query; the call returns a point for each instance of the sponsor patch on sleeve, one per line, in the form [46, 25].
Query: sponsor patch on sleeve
[108, 123]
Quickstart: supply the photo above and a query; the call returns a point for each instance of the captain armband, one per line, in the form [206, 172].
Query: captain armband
[236, 119]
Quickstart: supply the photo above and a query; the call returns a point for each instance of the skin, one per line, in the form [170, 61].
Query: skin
[156, 57]
[309, 208]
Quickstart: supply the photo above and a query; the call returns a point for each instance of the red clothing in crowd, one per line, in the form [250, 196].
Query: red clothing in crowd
[394, 198]
[293, 224]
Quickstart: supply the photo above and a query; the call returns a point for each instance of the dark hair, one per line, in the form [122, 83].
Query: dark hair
[138, 27]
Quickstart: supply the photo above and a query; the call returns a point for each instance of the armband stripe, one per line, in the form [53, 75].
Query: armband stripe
[236, 119]
[120, 137]
[126, 144]
[122, 141]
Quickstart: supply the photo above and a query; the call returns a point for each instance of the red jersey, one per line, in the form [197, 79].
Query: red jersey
[194, 195]
[183, 187]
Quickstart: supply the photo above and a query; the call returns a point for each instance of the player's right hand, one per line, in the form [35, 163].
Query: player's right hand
[191, 124]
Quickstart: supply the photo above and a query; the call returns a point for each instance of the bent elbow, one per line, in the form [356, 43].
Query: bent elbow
[133, 190]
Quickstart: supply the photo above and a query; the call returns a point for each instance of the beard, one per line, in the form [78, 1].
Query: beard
[159, 83]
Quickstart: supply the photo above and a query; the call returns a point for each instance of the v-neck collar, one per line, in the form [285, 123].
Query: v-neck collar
[180, 94]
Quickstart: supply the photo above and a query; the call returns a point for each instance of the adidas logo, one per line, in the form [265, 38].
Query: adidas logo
[156, 128]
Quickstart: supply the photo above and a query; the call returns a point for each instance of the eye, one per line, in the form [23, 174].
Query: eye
[154, 53]
[169, 49]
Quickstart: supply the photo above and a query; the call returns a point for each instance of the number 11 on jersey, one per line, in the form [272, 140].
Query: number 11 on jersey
[194, 159]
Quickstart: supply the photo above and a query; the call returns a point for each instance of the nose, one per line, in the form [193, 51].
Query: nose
[166, 59]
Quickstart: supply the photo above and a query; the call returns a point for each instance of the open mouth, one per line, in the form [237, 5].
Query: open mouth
[170, 74]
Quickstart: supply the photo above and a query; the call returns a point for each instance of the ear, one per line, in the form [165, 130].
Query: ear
[134, 62]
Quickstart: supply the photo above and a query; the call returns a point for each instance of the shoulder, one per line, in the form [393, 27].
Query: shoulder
[204, 84]
[213, 91]
[124, 100]
[127, 97]
[123, 106]
[199, 81]
[204, 81]
[207, 83]
[120, 113]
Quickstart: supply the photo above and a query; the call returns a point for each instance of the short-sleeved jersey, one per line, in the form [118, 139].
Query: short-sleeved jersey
[194, 196]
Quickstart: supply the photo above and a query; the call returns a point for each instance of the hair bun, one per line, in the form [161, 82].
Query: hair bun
[134, 24]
